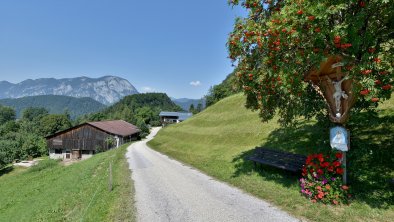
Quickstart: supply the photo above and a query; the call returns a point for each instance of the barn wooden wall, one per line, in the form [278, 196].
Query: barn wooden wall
[84, 137]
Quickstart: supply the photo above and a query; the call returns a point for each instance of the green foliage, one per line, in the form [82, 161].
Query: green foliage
[53, 123]
[34, 113]
[54, 104]
[7, 152]
[226, 88]
[25, 137]
[34, 146]
[281, 41]
[6, 114]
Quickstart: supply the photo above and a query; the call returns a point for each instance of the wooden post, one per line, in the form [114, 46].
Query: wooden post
[110, 178]
[344, 176]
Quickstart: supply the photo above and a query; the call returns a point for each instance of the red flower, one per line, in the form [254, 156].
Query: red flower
[320, 195]
[311, 18]
[377, 60]
[364, 92]
[320, 172]
[338, 155]
[325, 164]
[362, 4]
[309, 159]
[335, 202]
[337, 39]
[300, 12]
[317, 29]
[344, 187]
[366, 72]
[336, 164]
[371, 50]
[375, 100]
[378, 82]
[386, 87]
[330, 168]
[320, 157]
[339, 170]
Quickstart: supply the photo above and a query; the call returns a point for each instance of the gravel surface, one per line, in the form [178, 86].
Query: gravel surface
[167, 190]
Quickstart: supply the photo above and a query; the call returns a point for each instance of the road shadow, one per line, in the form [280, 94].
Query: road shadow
[370, 159]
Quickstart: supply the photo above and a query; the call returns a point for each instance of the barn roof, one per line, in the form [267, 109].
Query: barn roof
[116, 127]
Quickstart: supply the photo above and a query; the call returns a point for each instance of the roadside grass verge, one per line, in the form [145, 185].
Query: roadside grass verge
[79, 192]
[217, 140]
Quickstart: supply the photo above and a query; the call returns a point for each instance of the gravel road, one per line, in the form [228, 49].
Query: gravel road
[167, 190]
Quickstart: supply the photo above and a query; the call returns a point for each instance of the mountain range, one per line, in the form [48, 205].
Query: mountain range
[55, 104]
[106, 90]
[185, 103]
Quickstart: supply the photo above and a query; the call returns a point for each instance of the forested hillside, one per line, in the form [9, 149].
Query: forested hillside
[55, 104]
[138, 109]
[22, 138]
[226, 88]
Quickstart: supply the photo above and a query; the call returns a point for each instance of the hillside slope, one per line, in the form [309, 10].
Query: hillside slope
[79, 192]
[218, 139]
[55, 104]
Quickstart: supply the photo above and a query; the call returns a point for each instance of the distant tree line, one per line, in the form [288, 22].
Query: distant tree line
[226, 88]
[23, 138]
[196, 110]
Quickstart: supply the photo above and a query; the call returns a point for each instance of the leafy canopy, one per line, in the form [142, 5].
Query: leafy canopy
[280, 41]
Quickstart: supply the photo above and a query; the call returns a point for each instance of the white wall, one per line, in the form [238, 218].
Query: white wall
[86, 156]
[52, 155]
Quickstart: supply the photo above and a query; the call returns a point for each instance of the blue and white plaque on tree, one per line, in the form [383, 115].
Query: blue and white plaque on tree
[339, 138]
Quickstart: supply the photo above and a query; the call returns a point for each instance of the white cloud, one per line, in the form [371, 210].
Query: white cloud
[146, 89]
[195, 83]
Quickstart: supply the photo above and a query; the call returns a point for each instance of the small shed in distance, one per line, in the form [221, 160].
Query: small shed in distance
[173, 117]
[84, 140]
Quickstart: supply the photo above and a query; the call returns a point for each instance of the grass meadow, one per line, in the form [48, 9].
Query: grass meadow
[50, 191]
[217, 140]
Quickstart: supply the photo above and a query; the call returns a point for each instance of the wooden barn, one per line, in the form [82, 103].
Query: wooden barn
[82, 141]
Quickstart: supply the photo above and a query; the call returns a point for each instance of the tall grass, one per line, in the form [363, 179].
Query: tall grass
[79, 192]
[217, 141]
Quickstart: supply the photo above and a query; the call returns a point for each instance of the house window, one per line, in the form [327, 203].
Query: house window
[58, 151]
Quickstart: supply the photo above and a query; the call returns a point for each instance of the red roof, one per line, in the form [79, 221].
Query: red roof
[116, 127]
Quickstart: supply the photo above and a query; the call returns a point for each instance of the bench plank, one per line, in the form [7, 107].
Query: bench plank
[279, 159]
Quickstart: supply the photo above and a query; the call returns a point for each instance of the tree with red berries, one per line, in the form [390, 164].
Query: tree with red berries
[281, 41]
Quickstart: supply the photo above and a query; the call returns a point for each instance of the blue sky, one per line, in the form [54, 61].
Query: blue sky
[174, 46]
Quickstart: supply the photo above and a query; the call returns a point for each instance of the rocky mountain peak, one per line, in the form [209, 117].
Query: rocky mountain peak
[106, 89]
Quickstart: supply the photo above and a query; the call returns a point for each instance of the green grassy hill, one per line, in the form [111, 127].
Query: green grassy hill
[79, 192]
[218, 139]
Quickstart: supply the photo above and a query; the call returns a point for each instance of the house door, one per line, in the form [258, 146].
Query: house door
[68, 154]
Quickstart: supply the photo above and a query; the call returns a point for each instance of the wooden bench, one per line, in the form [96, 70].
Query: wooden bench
[279, 159]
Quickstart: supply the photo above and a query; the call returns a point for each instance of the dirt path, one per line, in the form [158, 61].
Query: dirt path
[167, 190]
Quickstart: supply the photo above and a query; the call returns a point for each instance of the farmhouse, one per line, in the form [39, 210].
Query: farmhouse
[82, 141]
[173, 117]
